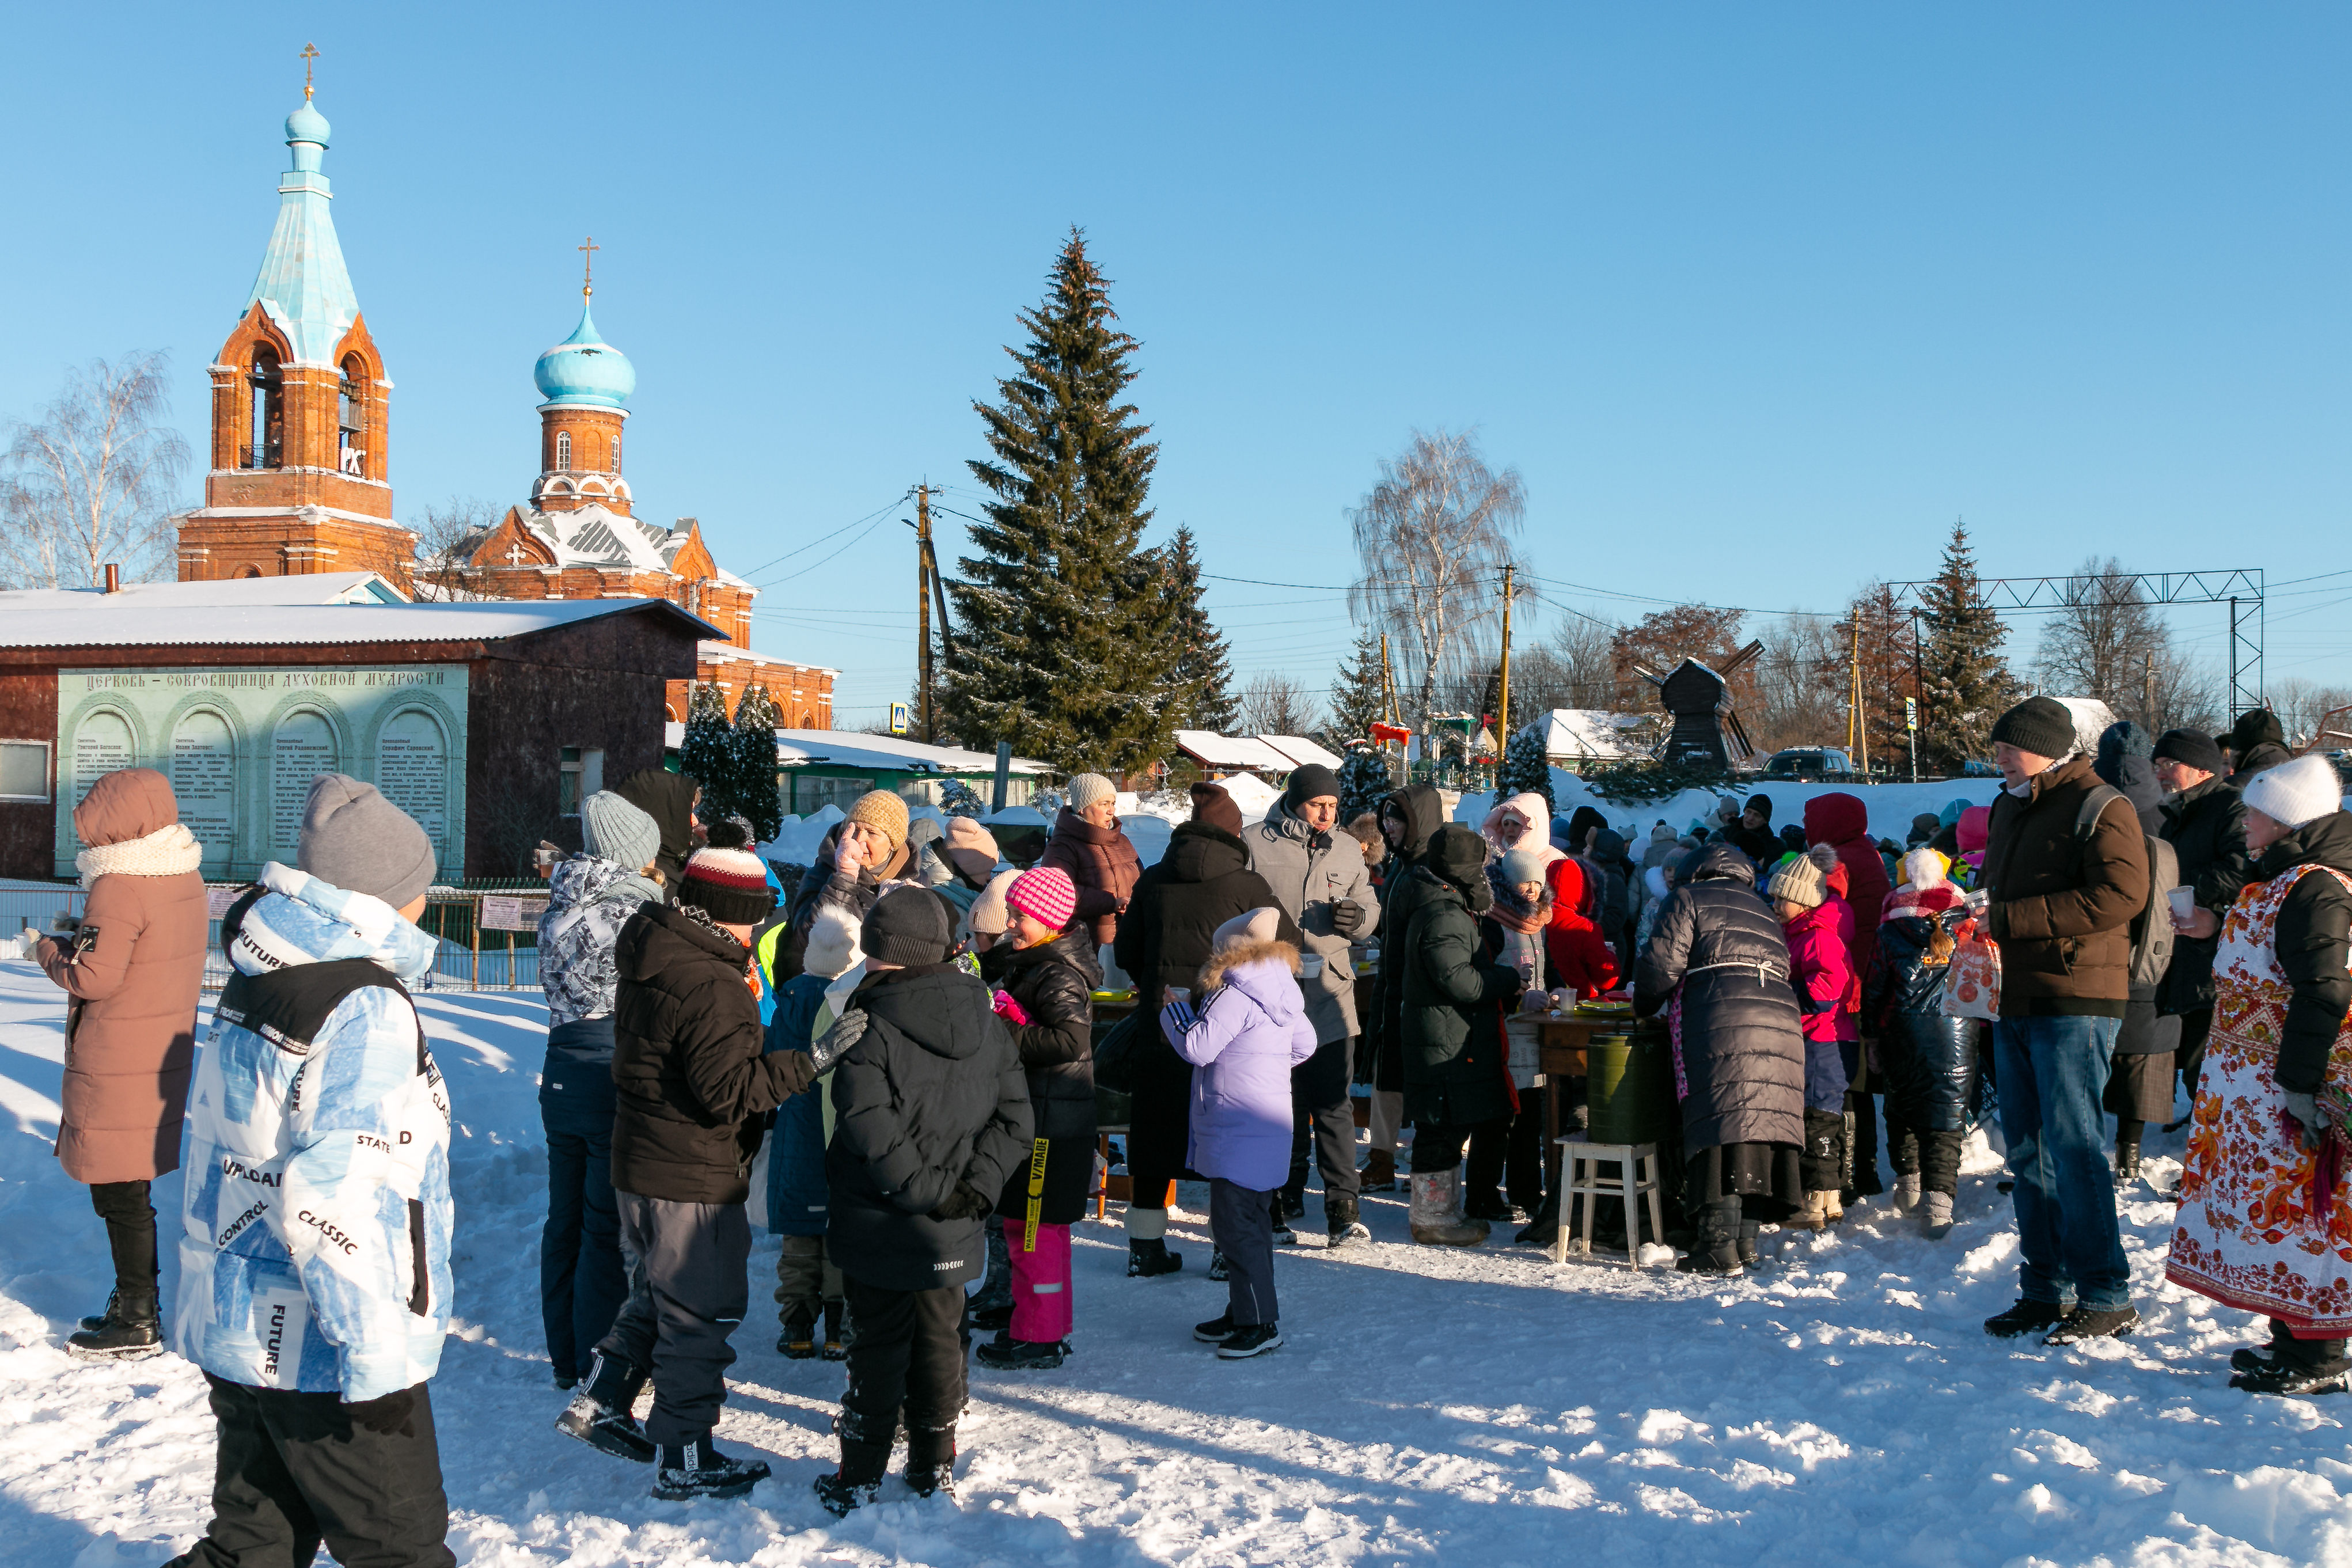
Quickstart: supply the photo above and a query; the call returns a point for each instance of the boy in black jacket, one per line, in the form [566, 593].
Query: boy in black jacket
[690, 1084]
[931, 1116]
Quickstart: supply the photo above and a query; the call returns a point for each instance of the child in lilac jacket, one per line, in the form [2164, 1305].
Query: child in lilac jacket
[1248, 1031]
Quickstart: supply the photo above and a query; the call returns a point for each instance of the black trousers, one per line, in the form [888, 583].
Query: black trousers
[1931, 1154]
[129, 1234]
[1439, 1149]
[2190, 1054]
[906, 1363]
[692, 1291]
[582, 1280]
[1510, 1155]
[1241, 1220]
[1324, 1121]
[1824, 1159]
[294, 1469]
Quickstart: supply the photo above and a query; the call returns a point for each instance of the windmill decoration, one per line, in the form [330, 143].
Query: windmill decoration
[1706, 732]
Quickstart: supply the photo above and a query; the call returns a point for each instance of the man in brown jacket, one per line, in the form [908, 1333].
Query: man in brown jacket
[130, 970]
[2064, 876]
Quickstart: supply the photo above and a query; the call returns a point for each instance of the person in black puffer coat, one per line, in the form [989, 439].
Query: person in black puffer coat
[2205, 823]
[932, 1116]
[1407, 819]
[1717, 950]
[1201, 880]
[1449, 1029]
[1928, 1061]
[690, 1088]
[1045, 974]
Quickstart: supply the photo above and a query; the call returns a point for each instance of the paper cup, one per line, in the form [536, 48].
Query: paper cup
[1310, 965]
[1180, 994]
[2184, 903]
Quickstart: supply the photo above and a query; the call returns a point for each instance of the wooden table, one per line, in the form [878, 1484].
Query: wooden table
[1561, 1041]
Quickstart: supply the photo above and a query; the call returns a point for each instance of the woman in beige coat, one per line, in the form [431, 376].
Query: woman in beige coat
[130, 972]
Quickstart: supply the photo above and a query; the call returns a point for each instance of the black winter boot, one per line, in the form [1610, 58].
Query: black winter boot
[931, 1461]
[859, 1479]
[1146, 1260]
[1342, 1225]
[132, 1329]
[2127, 1152]
[697, 1469]
[1716, 1248]
[599, 1414]
[839, 1330]
[1749, 1230]
[99, 1320]
[2028, 1316]
[995, 1293]
[1542, 1231]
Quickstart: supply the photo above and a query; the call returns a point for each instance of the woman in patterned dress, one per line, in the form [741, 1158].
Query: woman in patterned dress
[2266, 1220]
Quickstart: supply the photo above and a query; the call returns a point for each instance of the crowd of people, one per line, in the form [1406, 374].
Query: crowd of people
[901, 1049]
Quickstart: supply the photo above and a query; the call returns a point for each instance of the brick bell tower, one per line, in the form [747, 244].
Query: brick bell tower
[299, 477]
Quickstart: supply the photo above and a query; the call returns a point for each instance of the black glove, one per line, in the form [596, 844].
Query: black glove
[389, 1416]
[1346, 917]
[2305, 1109]
[846, 1030]
[967, 1202]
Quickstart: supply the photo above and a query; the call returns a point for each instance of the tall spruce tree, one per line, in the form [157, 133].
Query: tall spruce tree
[1204, 663]
[1965, 680]
[751, 763]
[707, 753]
[1525, 768]
[1364, 780]
[1356, 694]
[1065, 630]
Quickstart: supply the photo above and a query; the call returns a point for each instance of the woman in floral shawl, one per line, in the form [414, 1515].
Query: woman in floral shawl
[2265, 1221]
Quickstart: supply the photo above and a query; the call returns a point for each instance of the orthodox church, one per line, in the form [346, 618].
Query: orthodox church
[299, 480]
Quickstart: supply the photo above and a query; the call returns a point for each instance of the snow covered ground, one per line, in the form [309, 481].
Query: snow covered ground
[1476, 1408]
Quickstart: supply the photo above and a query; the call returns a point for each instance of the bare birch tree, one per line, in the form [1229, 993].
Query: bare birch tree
[1432, 538]
[1275, 704]
[2107, 642]
[94, 480]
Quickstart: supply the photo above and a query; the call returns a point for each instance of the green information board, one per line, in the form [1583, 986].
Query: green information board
[241, 745]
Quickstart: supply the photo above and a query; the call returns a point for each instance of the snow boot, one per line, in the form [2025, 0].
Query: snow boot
[2294, 1369]
[1544, 1228]
[1342, 1227]
[858, 1479]
[1256, 1339]
[2028, 1316]
[695, 1470]
[1147, 1248]
[1005, 1354]
[1748, 1231]
[2258, 1358]
[1218, 1269]
[1935, 1215]
[798, 1341]
[2084, 1324]
[1813, 1216]
[132, 1329]
[1379, 1172]
[1832, 1207]
[599, 1414]
[995, 1290]
[1716, 1249]
[1906, 1193]
[1437, 1211]
[2126, 1161]
[931, 1461]
[97, 1320]
[838, 1330]
[1217, 1329]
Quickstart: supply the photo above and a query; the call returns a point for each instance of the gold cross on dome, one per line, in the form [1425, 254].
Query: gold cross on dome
[309, 52]
[588, 265]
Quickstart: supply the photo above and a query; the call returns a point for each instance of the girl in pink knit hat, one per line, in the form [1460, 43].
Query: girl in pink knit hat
[1045, 974]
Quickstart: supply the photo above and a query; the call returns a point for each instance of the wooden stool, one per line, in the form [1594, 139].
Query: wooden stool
[1637, 1173]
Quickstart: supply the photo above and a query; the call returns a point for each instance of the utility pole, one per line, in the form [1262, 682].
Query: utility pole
[1859, 730]
[1918, 697]
[923, 606]
[1503, 692]
[2148, 690]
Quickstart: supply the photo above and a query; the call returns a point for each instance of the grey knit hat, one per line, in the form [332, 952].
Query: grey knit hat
[356, 839]
[615, 830]
[1087, 789]
[2042, 725]
[908, 926]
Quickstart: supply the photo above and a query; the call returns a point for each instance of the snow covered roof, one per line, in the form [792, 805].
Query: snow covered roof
[1251, 793]
[320, 588]
[1589, 732]
[596, 536]
[1300, 750]
[849, 748]
[100, 622]
[2092, 718]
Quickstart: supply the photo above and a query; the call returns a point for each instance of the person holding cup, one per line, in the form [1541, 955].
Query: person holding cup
[2205, 823]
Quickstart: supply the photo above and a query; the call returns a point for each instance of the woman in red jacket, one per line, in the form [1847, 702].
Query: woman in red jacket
[1574, 953]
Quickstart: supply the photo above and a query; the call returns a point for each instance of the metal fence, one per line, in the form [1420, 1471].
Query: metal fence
[490, 938]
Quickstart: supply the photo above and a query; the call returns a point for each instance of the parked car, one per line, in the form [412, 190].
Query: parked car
[1807, 764]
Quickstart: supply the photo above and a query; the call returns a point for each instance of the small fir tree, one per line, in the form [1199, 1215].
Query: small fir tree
[1356, 696]
[1364, 782]
[958, 798]
[1524, 770]
[751, 763]
[1966, 681]
[707, 753]
[1067, 639]
[1204, 661]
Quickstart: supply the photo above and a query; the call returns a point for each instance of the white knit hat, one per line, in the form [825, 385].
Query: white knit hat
[1261, 924]
[2297, 793]
[832, 944]
[989, 916]
[1087, 789]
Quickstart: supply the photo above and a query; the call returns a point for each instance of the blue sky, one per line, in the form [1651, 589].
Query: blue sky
[1758, 299]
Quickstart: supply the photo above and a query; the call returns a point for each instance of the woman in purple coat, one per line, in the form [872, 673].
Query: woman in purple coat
[1247, 1033]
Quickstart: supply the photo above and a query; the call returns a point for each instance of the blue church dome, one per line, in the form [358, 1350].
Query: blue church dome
[584, 369]
[306, 124]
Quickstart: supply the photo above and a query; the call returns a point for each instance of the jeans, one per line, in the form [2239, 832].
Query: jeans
[2053, 1072]
[582, 1278]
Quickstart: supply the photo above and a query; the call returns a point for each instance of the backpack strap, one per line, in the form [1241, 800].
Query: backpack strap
[2086, 820]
